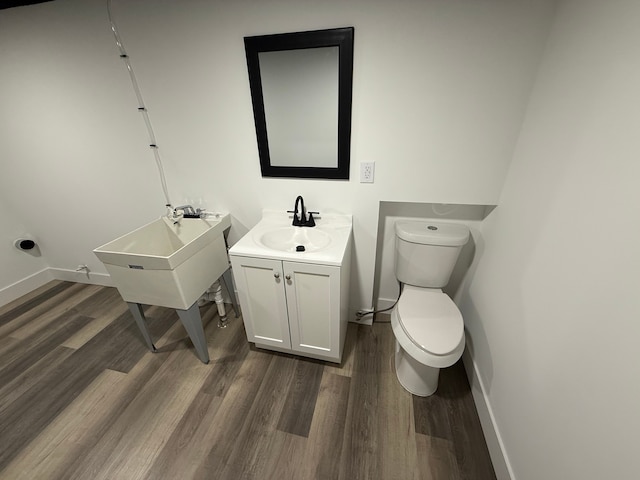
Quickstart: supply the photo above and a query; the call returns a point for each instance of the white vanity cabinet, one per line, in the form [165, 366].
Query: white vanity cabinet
[293, 284]
[293, 307]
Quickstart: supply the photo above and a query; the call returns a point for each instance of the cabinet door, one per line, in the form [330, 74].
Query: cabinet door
[313, 303]
[260, 285]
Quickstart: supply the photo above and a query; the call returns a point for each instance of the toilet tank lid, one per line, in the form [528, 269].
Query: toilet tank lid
[432, 233]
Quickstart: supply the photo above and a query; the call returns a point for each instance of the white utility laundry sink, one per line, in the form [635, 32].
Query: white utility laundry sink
[165, 263]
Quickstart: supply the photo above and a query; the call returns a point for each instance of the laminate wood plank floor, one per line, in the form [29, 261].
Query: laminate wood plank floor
[82, 398]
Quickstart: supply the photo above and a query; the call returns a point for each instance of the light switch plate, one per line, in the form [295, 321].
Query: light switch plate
[367, 170]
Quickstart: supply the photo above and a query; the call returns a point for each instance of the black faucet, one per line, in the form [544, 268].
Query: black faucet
[299, 219]
[302, 220]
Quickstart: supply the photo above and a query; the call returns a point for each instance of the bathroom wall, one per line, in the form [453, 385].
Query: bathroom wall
[75, 166]
[20, 272]
[552, 306]
[439, 95]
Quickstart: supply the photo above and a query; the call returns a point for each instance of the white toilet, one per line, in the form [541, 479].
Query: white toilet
[426, 323]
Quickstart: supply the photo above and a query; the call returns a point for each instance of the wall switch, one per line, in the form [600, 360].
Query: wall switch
[366, 172]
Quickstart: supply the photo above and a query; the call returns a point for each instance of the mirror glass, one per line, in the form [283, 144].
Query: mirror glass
[301, 94]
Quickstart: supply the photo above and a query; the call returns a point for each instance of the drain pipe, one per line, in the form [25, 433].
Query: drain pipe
[214, 294]
[217, 297]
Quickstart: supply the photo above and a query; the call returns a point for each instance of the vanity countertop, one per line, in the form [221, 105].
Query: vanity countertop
[326, 242]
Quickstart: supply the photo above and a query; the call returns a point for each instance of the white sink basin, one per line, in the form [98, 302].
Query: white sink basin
[295, 239]
[167, 264]
[274, 237]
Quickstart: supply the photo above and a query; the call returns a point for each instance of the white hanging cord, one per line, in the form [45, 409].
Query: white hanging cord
[141, 106]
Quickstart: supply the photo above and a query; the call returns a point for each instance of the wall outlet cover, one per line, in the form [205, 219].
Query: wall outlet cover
[367, 170]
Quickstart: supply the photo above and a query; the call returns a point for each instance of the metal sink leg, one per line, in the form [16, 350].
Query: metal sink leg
[193, 325]
[138, 315]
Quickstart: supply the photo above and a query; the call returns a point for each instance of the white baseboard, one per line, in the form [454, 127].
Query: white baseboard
[492, 436]
[24, 286]
[92, 278]
[36, 280]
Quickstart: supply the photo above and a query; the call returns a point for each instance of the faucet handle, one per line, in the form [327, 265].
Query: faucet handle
[310, 220]
[296, 221]
[188, 211]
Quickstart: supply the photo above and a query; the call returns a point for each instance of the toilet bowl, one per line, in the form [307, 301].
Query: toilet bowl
[429, 334]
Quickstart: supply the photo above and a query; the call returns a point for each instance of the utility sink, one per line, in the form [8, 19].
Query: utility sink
[167, 264]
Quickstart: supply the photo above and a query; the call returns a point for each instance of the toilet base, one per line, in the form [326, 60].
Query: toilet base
[418, 379]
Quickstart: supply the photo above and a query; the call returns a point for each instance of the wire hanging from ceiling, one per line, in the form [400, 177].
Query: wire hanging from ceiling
[153, 144]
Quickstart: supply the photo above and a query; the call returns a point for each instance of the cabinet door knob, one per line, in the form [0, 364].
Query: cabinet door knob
[288, 277]
[276, 274]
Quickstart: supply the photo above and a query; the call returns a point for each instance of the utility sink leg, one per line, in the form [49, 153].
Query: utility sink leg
[193, 325]
[138, 315]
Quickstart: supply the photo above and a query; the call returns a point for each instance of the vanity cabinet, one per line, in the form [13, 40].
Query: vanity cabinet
[293, 307]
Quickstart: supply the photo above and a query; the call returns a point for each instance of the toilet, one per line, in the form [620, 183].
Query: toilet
[427, 325]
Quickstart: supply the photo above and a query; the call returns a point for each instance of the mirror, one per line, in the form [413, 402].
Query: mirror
[301, 94]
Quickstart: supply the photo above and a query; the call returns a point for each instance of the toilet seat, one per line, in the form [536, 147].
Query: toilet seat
[429, 326]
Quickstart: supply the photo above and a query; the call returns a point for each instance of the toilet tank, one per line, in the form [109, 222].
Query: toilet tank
[426, 251]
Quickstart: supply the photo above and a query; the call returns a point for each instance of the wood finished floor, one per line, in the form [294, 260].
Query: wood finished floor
[82, 398]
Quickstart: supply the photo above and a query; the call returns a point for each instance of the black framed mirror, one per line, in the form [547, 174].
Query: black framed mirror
[301, 93]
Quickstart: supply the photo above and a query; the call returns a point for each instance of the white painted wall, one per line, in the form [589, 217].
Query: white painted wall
[17, 265]
[552, 306]
[439, 95]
